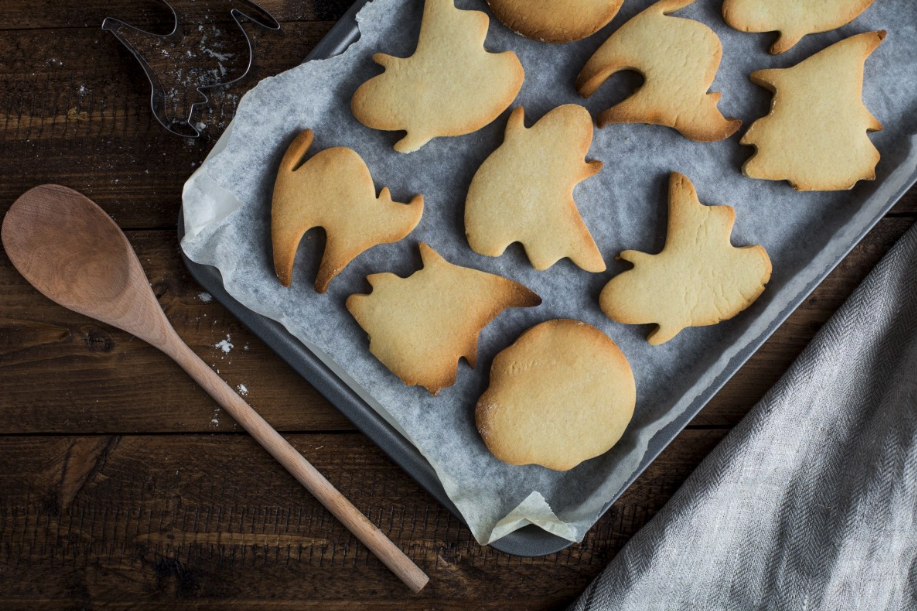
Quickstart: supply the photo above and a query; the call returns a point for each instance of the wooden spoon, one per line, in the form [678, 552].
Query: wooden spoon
[73, 252]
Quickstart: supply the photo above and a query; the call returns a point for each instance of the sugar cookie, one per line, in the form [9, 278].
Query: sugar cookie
[419, 327]
[793, 19]
[523, 192]
[815, 136]
[698, 279]
[333, 190]
[562, 394]
[678, 58]
[555, 20]
[451, 85]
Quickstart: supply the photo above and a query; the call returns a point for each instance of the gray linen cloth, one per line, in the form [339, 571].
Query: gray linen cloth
[811, 502]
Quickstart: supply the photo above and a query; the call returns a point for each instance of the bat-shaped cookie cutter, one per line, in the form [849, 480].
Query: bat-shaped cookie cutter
[241, 10]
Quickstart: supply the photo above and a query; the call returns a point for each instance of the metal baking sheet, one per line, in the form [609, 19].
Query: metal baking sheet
[530, 541]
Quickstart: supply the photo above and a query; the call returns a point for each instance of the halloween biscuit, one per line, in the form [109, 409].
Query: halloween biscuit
[793, 19]
[451, 85]
[523, 192]
[420, 326]
[698, 279]
[562, 394]
[678, 58]
[555, 20]
[333, 190]
[815, 136]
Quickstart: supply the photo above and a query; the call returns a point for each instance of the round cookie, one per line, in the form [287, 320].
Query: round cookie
[561, 394]
[555, 20]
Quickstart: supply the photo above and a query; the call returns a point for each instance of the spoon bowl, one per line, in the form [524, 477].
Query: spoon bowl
[73, 253]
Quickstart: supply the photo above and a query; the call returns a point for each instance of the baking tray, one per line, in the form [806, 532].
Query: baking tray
[527, 541]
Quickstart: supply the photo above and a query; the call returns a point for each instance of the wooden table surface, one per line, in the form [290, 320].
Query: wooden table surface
[122, 484]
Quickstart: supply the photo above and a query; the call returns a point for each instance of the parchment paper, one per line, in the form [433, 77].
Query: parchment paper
[227, 212]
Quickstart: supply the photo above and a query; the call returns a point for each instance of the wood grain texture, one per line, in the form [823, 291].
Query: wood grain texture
[210, 520]
[149, 14]
[103, 393]
[75, 110]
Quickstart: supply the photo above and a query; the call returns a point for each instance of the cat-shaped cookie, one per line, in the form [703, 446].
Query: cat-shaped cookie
[335, 191]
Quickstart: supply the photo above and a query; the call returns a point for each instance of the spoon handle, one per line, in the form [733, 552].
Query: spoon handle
[297, 465]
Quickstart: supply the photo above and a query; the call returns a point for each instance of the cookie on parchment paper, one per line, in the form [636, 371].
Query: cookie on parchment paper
[698, 279]
[815, 136]
[561, 394]
[678, 58]
[451, 86]
[555, 21]
[523, 192]
[335, 191]
[419, 327]
[793, 19]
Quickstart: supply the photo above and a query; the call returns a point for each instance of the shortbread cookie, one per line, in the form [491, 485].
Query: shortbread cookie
[815, 136]
[451, 85]
[419, 327]
[562, 394]
[555, 20]
[523, 192]
[698, 279]
[678, 58]
[793, 19]
[335, 191]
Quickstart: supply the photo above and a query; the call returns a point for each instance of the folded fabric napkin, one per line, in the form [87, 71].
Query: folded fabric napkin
[811, 502]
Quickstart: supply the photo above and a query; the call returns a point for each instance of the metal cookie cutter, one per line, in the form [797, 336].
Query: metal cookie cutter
[164, 59]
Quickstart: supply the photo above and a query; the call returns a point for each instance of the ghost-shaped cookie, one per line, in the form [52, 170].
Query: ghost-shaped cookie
[698, 279]
[451, 85]
[523, 192]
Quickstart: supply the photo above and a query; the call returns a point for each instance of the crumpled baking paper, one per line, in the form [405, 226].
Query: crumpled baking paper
[227, 212]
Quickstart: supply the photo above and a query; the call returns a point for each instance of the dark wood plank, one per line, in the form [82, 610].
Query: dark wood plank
[104, 380]
[151, 14]
[75, 110]
[212, 520]
[97, 386]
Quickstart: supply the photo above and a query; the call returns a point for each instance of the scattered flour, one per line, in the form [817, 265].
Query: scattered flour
[225, 345]
[205, 297]
[243, 389]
